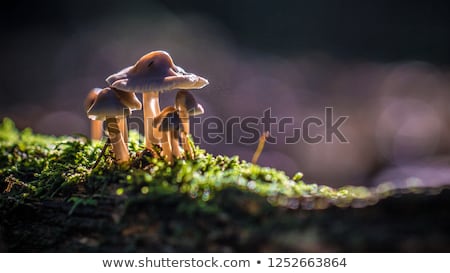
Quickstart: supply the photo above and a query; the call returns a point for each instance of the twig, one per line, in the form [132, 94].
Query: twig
[260, 147]
[11, 181]
[102, 153]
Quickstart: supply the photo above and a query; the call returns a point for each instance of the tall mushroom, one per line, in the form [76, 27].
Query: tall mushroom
[155, 72]
[110, 107]
[187, 106]
[96, 125]
[168, 123]
[133, 103]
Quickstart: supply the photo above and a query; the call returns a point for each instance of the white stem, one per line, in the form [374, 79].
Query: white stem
[187, 148]
[115, 136]
[150, 101]
[166, 146]
[175, 144]
[96, 129]
[184, 116]
[124, 128]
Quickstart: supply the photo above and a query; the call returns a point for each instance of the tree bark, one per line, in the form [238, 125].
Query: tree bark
[242, 223]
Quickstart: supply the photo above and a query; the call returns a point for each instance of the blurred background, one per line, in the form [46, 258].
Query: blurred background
[384, 64]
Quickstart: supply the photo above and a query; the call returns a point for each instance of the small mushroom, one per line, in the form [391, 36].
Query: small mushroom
[96, 125]
[110, 107]
[155, 72]
[133, 103]
[187, 106]
[168, 123]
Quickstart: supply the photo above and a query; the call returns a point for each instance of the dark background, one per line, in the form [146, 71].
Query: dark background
[350, 29]
[382, 63]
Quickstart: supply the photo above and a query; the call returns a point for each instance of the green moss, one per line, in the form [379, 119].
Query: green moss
[39, 167]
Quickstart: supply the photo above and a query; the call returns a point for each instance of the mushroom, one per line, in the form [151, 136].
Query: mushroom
[187, 106]
[109, 106]
[126, 98]
[155, 72]
[96, 125]
[133, 103]
[168, 123]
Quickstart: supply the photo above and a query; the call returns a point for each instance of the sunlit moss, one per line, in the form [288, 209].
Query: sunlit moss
[45, 167]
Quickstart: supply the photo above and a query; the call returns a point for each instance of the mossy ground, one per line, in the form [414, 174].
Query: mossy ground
[39, 167]
[207, 204]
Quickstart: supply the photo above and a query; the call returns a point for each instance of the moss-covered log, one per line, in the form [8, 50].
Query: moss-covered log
[411, 222]
[52, 200]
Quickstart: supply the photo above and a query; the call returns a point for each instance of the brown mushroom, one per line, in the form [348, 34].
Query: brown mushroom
[154, 73]
[187, 106]
[126, 98]
[133, 103]
[96, 125]
[109, 107]
[169, 124]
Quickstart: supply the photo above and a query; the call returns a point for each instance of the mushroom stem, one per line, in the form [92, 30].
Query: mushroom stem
[123, 126]
[166, 146]
[150, 100]
[119, 148]
[187, 148]
[96, 129]
[184, 117]
[175, 144]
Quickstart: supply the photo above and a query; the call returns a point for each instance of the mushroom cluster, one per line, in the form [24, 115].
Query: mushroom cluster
[151, 75]
[173, 124]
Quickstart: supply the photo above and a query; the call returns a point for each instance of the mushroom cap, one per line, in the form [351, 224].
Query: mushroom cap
[155, 72]
[91, 97]
[168, 119]
[129, 99]
[198, 110]
[107, 104]
[185, 99]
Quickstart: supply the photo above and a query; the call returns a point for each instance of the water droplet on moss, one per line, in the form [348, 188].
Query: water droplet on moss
[251, 185]
[144, 190]
[147, 177]
[205, 196]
